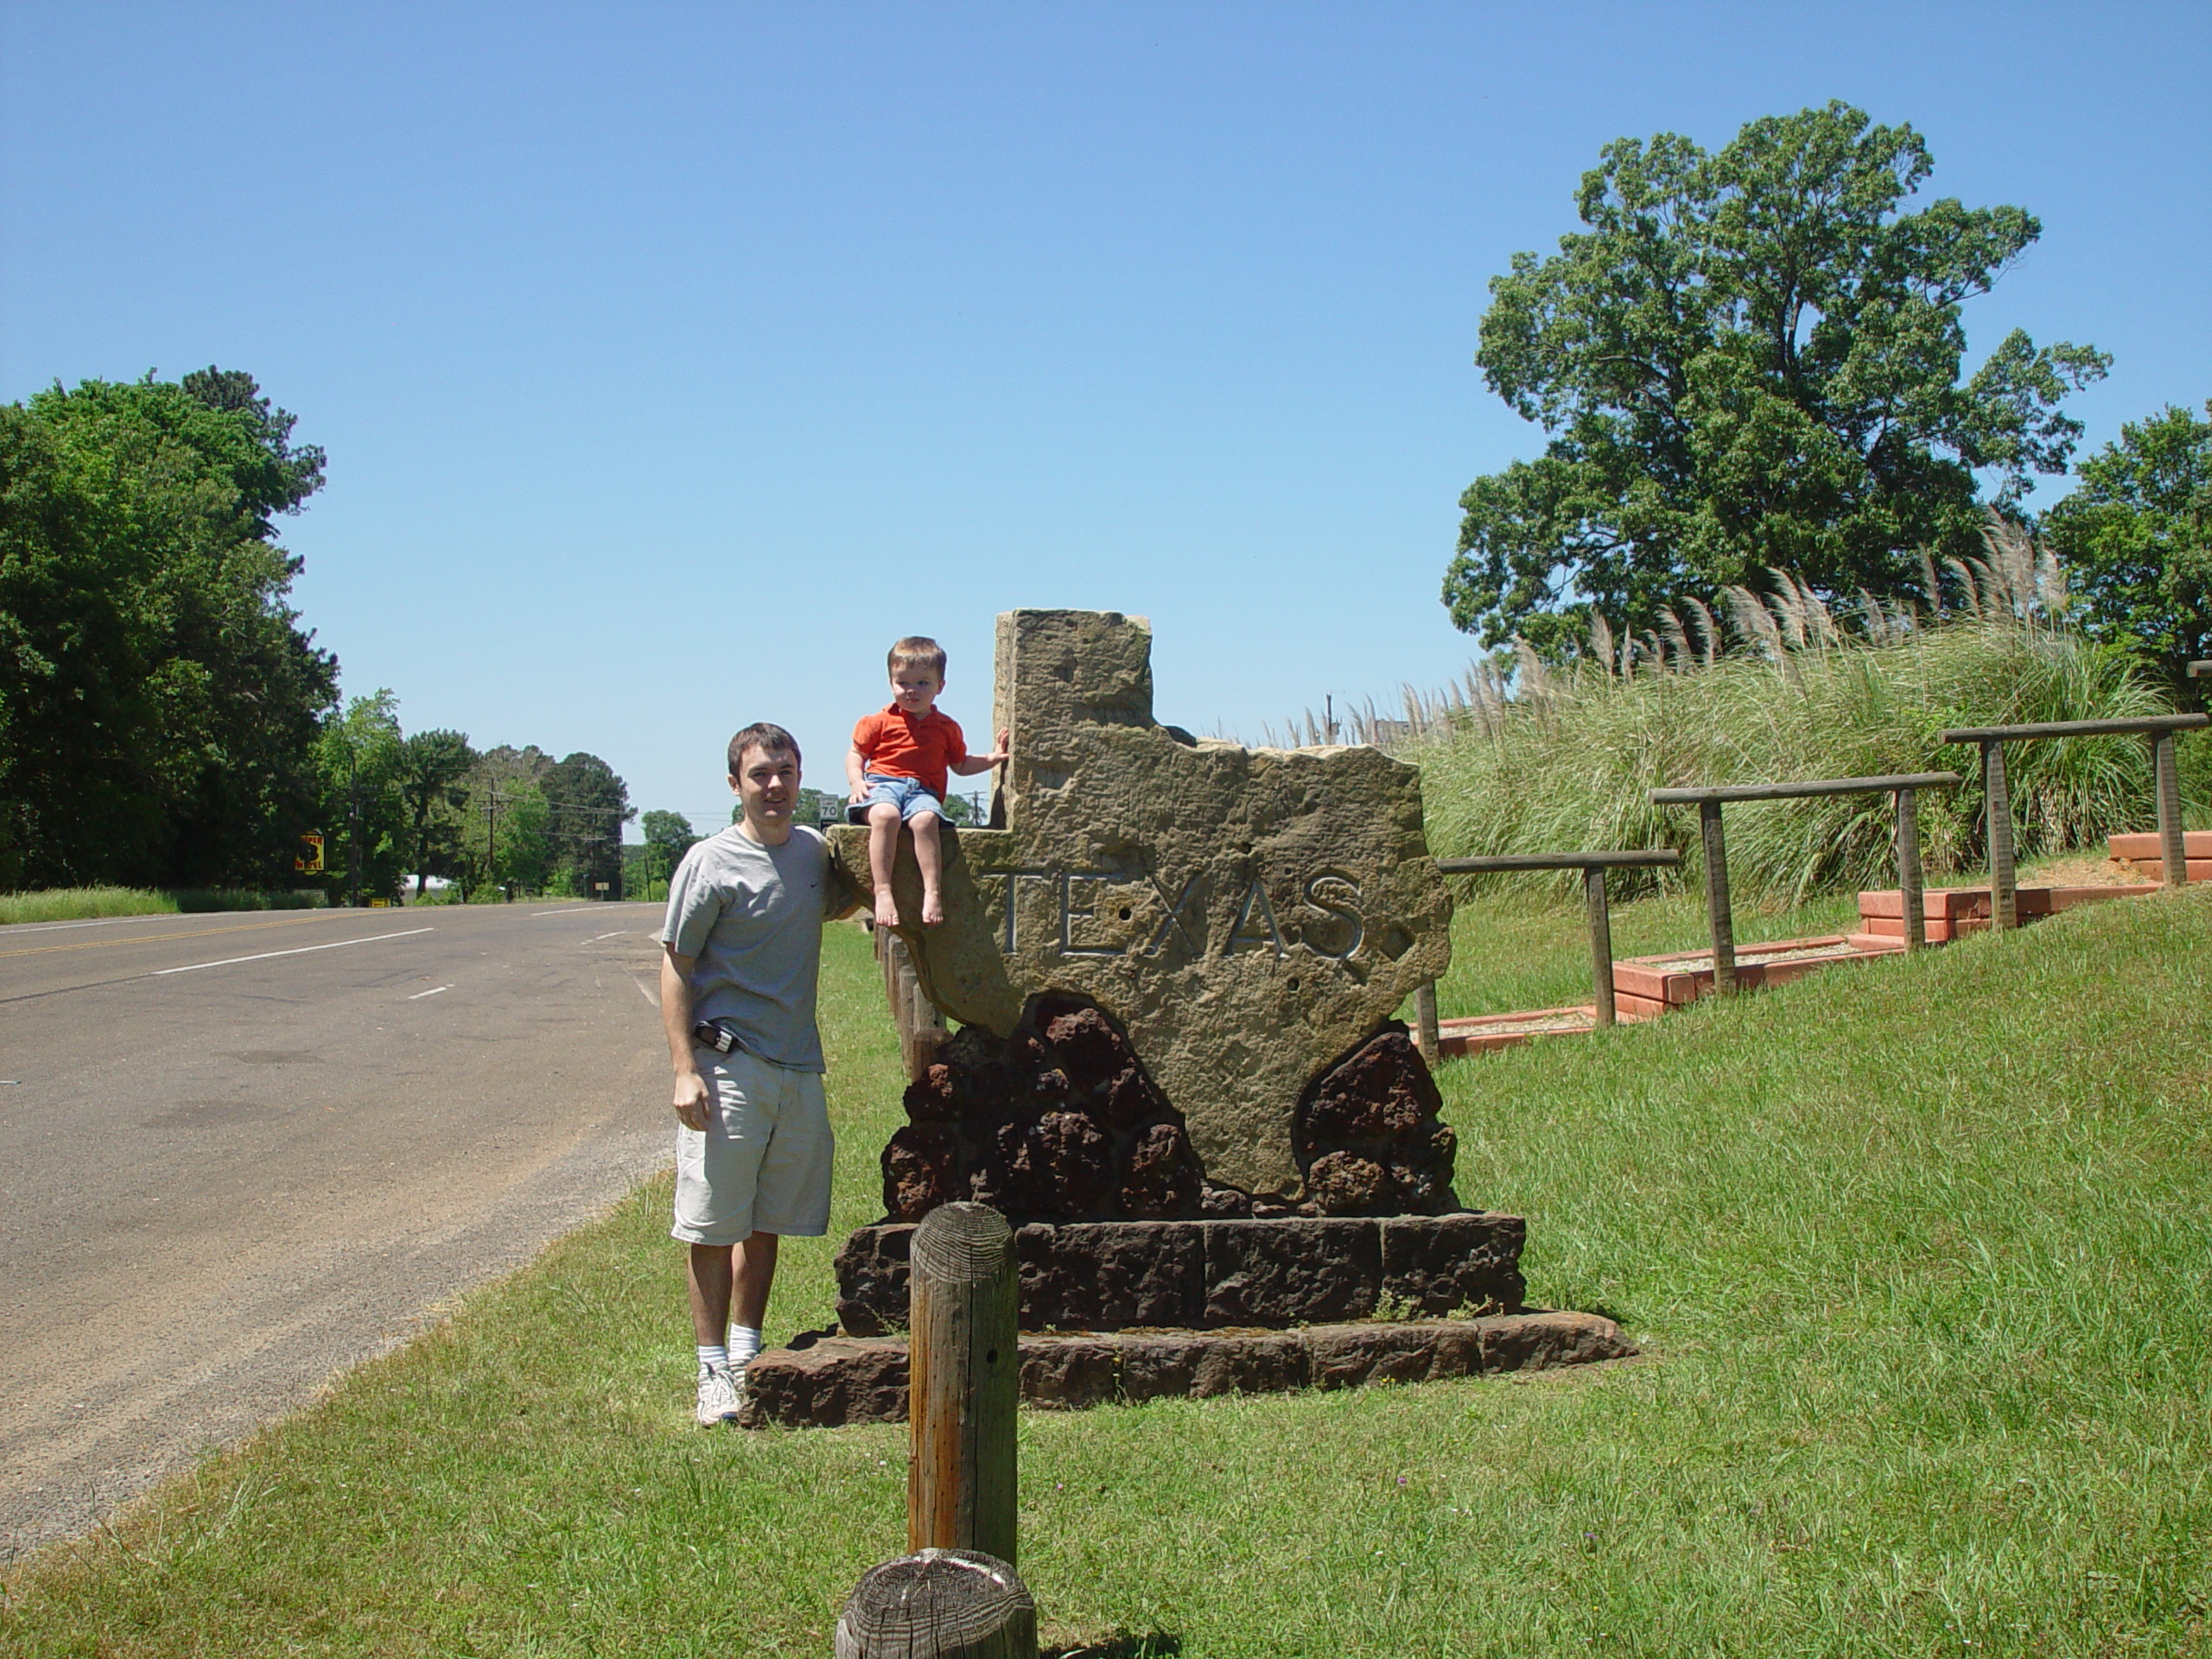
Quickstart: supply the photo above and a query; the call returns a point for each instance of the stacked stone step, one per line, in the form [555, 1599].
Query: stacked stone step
[2142, 851]
[1647, 987]
[1953, 912]
[1216, 1274]
[1123, 1311]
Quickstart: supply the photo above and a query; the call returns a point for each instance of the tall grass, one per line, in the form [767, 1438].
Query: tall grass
[1568, 762]
[90, 904]
[1520, 757]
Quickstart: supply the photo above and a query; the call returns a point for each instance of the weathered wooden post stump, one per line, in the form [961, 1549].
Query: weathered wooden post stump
[963, 1381]
[939, 1604]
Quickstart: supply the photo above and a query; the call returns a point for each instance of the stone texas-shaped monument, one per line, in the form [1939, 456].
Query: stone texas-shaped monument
[1249, 917]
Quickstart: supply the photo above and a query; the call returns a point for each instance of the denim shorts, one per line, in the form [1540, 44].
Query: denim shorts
[905, 793]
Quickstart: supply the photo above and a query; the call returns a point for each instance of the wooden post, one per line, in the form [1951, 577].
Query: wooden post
[1601, 939]
[964, 1372]
[2173, 847]
[1716, 899]
[939, 1604]
[921, 1027]
[1914, 901]
[1997, 814]
[1425, 1025]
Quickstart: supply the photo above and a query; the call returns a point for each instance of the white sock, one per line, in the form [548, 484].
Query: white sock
[744, 1344]
[713, 1357]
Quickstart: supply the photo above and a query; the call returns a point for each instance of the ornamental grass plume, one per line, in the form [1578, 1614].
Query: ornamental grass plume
[1567, 761]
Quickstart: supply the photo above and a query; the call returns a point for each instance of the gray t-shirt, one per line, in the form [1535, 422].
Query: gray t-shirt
[751, 915]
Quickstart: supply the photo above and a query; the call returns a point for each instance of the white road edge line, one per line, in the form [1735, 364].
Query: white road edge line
[570, 910]
[647, 995]
[15, 928]
[419, 995]
[616, 934]
[300, 950]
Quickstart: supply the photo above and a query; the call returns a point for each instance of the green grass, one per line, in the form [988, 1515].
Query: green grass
[1916, 1251]
[90, 903]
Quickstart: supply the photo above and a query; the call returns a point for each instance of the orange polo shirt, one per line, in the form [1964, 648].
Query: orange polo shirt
[893, 743]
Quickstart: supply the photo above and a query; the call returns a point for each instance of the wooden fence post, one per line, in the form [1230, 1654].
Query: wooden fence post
[1914, 902]
[1997, 814]
[921, 1027]
[963, 1380]
[1601, 939]
[1716, 899]
[1425, 1024]
[2173, 847]
[939, 1604]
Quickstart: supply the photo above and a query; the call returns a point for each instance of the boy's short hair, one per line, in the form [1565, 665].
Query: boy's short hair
[916, 650]
[770, 740]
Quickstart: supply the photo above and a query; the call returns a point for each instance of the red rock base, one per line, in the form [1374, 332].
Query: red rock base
[838, 1381]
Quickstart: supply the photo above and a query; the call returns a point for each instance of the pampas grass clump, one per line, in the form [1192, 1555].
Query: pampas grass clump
[1566, 761]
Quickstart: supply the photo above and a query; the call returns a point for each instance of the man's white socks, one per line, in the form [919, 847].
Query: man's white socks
[744, 1344]
[713, 1357]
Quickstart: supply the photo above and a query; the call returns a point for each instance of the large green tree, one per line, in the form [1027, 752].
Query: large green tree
[668, 836]
[433, 766]
[159, 703]
[1751, 358]
[589, 804]
[365, 818]
[2136, 536]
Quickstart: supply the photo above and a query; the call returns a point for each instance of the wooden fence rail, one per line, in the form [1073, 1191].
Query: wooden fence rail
[1997, 800]
[1593, 867]
[1708, 798]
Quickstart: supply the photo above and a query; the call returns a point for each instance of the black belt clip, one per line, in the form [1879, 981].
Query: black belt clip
[711, 1034]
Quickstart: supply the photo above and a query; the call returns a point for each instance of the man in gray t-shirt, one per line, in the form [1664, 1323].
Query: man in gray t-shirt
[741, 947]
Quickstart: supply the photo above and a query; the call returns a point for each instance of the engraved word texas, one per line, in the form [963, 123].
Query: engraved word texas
[1112, 914]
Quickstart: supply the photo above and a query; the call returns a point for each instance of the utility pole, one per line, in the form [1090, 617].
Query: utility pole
[492, 839]
[353, 822]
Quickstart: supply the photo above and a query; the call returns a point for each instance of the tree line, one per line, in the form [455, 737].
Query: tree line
[430, 807]
[1753, 361]
[165, 719]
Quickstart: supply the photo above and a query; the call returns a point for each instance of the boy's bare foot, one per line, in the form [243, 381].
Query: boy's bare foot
[932, 911]
[887, 909]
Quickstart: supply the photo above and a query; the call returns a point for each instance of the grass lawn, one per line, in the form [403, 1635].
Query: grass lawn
[1917, 1250]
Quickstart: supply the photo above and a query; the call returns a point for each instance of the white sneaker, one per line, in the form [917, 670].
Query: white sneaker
[720, 1397]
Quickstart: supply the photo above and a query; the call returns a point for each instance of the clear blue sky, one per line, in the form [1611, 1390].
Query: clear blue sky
[672, 360]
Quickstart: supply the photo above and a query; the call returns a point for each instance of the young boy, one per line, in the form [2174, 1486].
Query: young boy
[897, 768]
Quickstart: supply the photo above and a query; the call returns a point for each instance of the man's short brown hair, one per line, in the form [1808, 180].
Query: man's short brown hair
[770, 740]
[917, 651]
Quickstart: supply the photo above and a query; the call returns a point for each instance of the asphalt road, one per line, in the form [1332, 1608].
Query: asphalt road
[239, 1153]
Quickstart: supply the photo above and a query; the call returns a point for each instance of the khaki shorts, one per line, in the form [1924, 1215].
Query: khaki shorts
[762, 1163]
